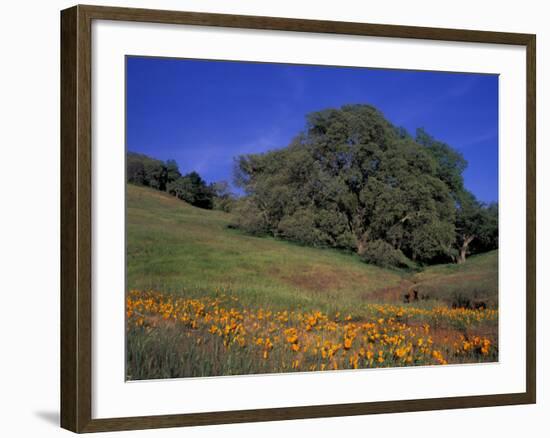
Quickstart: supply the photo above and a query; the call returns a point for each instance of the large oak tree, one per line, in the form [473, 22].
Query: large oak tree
[352, 180]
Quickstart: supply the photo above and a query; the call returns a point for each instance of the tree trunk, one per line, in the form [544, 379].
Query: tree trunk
[361, 244]
[462, 255]
[464, 249]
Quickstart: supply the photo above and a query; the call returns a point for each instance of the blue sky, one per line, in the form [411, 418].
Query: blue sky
[204, 113]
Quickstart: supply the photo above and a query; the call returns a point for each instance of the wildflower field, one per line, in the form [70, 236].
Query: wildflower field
[178, 337]
[204, 300]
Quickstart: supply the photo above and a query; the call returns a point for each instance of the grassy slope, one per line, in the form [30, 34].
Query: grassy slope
[476, 280]
[172, 246]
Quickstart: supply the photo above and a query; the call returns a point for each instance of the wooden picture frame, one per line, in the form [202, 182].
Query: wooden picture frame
[76, 217]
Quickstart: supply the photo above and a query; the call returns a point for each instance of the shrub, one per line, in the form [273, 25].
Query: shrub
[224, 199]
[300, 227]
[335, 228]
[192, 189]
[381, 253]
[224, 204]
[249, 218]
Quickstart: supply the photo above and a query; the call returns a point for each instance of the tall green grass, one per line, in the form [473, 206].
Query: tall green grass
[178, 249]
[174, 247]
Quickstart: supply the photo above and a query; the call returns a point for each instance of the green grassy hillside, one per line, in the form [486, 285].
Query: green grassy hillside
[174, 247]
[474, 281]
[207, 300]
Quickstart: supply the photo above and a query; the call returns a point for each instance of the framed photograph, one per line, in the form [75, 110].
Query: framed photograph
[269, 218]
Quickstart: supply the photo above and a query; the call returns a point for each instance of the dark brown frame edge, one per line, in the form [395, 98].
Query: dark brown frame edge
[76, 172]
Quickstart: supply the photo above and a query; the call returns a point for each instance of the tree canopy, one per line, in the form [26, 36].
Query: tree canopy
[352, 180]
[166, 176]
[193, 189]
[146, 171]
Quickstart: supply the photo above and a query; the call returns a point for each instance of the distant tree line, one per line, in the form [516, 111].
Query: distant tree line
[166, 177]
[354, 181]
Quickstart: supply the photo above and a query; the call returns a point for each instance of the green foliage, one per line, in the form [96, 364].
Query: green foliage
[476, 226]
[172, 171]
[300, 227]
[381, 253]
[451, 163]
[349, 180]
[146, 171]
[488, 232]
[250, 218]
[182, 188]
[353, 178]
[223, 200]
[192, 189]
[166, 177]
